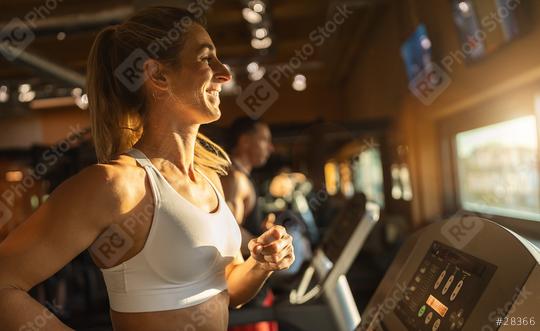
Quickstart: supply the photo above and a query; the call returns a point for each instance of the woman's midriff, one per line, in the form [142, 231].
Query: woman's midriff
[211, 315]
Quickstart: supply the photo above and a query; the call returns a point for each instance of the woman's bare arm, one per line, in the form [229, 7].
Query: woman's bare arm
[69, 221]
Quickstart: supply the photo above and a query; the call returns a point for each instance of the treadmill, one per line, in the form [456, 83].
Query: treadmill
[322, 300]
[463, 274]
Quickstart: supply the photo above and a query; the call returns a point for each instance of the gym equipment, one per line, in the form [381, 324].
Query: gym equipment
[323, 299]
[466, 273]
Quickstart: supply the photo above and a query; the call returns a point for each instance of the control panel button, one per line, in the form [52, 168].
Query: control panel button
[460, 313]
[428, 317]
[460, 323]
[436, 325]
[453, 326]
[423, 270]
[417, 279]
[439, 280]
[421, 311]
[447, 285]
[456, 290]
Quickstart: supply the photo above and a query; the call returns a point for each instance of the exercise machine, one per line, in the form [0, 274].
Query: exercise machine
[463, 274]
[323, 299]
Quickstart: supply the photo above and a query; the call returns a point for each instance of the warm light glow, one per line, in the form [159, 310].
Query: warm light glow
[27, 97]
[258, 6]
[4, 93]
[24, 88]
[257, 75]
[252, 67]
[14, 176]
[260, 33]
[425, 43]
[261, 43]
[251, 16]
[25, 93]
[299, 83]
[464, 7]
[331, 177]
[497, 169]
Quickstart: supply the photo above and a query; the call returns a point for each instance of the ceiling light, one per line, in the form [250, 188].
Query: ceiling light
[82, 101]
[464, 7]
[76, 92]
[257, 6]
[13, 176]
[25, 93]
[258, 74]
[4, 94]
[425, 43]
[260, 33]
[251, 16]
[24, 88]
[252, 67]
[261, 43]
[299, 83]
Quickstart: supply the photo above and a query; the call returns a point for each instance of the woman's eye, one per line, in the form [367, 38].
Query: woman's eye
[206, 59]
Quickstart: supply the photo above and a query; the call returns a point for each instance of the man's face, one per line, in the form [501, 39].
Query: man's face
[259, 145]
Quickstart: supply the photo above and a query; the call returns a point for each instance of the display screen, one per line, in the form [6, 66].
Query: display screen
[486, 25]
[416, 52]
[436, 305]
[443, 290]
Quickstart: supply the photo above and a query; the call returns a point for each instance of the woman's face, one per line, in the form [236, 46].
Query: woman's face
[194, 88]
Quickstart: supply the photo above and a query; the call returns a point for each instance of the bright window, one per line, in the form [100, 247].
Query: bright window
[368, 175]
[498, 169]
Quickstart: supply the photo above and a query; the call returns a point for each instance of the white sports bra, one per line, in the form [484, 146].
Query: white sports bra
[183, 260]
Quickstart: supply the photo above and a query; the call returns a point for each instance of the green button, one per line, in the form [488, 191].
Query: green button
[422, 311]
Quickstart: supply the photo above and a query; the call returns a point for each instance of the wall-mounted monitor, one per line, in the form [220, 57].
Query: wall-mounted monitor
[416, 52]
[485, 25]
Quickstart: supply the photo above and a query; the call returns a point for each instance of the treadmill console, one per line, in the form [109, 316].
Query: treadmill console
[461, 274]
[444, 289]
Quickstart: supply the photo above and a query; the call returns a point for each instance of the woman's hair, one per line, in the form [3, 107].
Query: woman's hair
[117, 103]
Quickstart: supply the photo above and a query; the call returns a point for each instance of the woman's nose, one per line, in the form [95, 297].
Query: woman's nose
[222, 73]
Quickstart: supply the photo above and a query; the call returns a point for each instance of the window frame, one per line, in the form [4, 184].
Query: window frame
[507, 107]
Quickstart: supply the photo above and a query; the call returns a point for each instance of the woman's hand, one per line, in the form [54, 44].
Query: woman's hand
[273, 250]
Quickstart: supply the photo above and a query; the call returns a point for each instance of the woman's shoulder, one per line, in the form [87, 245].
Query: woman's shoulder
[119, 180]
[120, 171]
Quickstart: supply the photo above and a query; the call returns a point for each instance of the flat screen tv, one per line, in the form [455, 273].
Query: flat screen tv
[486, 25]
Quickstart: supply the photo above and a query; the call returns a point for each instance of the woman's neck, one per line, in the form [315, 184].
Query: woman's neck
[171, 142]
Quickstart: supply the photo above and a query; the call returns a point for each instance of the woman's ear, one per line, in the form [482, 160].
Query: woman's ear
[154, 73]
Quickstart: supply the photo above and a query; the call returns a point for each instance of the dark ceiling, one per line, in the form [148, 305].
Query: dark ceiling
[291, 23]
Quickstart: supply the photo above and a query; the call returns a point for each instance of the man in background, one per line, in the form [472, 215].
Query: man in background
[250, 146]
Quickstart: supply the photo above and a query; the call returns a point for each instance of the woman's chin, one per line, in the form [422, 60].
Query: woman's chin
[213, 113]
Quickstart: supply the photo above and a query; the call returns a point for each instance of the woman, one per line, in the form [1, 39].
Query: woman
[153, 208]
